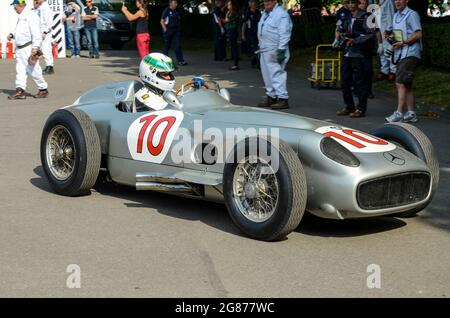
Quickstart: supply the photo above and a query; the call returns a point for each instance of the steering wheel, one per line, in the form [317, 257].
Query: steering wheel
[189, 84]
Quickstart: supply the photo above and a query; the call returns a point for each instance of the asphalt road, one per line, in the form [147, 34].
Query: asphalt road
[145, 244]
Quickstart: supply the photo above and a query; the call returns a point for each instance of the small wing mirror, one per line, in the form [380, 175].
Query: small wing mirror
[225, 93]
[172, 99]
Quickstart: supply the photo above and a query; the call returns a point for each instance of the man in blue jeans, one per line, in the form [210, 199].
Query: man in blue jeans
[89, 15]
[171, 26]
[74, 24]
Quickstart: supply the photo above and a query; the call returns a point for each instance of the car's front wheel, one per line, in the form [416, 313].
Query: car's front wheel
[70, 152]
[266, 199]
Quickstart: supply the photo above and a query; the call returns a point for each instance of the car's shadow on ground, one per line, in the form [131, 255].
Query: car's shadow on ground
[216, 215]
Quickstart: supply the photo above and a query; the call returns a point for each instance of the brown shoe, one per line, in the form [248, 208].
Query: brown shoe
[42, 93]
[381, 76]
[357, 114]
[282, 103]
[19, 94]
[267, 102]
[391, 76]
[344, 112]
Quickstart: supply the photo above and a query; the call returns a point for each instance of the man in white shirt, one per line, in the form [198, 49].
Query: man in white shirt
[45, 14]
[28, 41]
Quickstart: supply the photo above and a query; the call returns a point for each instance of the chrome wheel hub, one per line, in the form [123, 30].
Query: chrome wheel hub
[60, 153]
[255, 189]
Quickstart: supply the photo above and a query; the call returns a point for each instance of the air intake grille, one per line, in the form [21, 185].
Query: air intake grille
[392, 191]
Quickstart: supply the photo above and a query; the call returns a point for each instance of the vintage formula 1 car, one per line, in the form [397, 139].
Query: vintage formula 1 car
[325, 169]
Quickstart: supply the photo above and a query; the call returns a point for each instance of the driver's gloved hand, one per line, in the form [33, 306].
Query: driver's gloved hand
[198, 82]
[280, 55]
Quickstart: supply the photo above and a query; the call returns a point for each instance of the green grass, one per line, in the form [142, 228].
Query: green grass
[430, 86]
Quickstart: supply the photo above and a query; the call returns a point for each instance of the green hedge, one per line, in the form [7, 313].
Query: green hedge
[436, 45]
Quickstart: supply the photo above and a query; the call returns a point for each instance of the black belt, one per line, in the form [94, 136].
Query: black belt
[25, 45]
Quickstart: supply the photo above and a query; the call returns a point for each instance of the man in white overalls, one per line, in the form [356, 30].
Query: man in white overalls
[28, 41]
[408, 34]
[46, 19]
[274, 34]
[387, 10]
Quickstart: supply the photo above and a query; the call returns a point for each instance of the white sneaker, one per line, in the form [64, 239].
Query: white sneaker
[410, 117]
[396, 116]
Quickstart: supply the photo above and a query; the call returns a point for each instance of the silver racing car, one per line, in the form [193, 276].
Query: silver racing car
[268, 167]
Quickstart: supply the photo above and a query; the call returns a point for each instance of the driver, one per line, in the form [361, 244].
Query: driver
[156, 72]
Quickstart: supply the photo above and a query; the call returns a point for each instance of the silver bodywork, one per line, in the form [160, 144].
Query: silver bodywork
[332, 186]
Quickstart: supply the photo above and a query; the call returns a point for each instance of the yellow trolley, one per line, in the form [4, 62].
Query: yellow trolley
[326, 68]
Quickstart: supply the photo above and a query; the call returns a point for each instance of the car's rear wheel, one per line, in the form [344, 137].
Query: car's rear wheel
[415, 141]
[265, 198]
[70, 152]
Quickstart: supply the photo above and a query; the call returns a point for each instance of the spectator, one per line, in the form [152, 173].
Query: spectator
[368, 66]
[250, 30]
[46, 22]
[446, 12]
[342, 13]
[363, 4]
[324, 12]
[171, 26]
[358, 45]
[89, 15]
[274, 34]
[74, 25]
[142, 34]
[220, 38]
[231, 24]
[333, 10]
[408, 34]
[295, 11]
[28, 40]
[202, 8]
[387, 69]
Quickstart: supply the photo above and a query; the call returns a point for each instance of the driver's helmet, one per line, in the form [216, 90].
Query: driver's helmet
[156, 70]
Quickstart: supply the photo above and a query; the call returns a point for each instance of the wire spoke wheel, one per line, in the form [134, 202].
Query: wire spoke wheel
[255, 189]
[61, 153]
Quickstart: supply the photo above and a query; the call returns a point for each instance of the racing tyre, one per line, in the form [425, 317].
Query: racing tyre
[70, 152]
[415, 141]
[266, 198]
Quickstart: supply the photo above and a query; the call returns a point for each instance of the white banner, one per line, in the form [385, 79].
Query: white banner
[58, 32]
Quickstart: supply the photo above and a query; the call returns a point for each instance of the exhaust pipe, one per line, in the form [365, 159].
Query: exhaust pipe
[147, 182]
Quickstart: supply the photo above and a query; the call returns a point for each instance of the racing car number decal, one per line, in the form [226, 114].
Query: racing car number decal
[150, 136]
[356, 141]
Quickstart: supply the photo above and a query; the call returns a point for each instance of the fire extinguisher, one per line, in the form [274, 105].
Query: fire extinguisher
[55, 50]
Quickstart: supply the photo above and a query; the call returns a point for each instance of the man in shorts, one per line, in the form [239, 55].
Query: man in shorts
[407, 33]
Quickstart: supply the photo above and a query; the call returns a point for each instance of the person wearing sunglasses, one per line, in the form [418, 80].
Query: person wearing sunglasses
[89, 15]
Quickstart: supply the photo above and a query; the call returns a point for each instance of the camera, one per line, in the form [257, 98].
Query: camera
[389, 49]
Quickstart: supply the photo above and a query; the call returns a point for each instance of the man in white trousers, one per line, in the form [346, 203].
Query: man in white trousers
[45, 14]
[274, 34]
[28, 41]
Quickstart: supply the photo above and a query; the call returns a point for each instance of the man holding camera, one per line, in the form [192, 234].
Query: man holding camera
[407, 35]
[28, 41]
[356, 40]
